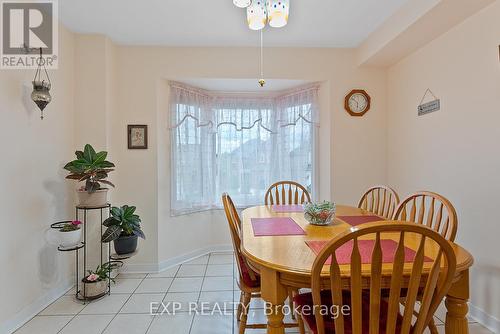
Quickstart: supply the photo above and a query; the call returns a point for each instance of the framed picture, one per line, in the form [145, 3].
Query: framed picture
[137, 137]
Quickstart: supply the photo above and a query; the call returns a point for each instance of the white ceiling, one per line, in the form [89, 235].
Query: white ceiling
[313, 23]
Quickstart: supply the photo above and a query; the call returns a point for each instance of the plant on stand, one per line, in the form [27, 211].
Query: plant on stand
[95, 284]
[92, 168]
[123, 228]
[70, 234]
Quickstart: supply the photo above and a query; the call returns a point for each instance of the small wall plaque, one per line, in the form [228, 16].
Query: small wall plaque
[428, 107]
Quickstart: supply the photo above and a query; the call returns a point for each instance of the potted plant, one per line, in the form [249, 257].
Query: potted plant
[70, 234]
[93, 169]
[123, 228]
[95, 284]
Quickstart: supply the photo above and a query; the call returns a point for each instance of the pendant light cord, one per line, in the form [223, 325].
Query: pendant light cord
[262, 54]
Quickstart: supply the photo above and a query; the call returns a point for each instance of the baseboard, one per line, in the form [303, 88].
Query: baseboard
[27, 313]
[164, 265]
[488, 321]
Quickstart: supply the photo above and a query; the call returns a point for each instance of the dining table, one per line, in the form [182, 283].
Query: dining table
[284, 262]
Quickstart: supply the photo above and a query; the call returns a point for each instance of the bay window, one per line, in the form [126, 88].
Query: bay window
[238, 144]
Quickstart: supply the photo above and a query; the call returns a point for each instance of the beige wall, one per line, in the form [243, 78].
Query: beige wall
[34, 193]
[455, 151]
[142, 177]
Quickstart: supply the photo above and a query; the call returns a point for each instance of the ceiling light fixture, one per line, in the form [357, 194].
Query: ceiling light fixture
[257, 14]
[242, 3]
[260, 12]
[278, 11]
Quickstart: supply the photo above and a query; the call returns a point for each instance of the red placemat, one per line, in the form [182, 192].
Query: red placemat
[275, 226]
[365, 250]
[358, 220]
[288, 208]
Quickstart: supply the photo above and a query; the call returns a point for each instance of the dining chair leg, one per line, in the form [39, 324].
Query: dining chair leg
[298, 317]
[432, 327]
[290, 302]
[240, 307]
[244, 313]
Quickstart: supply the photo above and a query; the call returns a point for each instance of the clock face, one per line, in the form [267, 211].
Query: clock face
[358, 103]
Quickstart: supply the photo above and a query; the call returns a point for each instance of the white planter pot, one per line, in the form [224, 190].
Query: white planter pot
[95, 199]
[70, 238]
[94, 289]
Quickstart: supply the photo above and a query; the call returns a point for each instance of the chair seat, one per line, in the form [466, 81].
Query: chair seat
[306, 299]
[250, 278]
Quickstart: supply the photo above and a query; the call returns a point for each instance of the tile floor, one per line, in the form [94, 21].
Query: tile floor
[207, 279]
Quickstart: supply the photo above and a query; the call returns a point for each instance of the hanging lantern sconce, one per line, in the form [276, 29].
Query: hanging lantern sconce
[41, 86]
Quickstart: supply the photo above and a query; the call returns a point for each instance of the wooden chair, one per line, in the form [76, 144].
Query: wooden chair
[381, 200]
[249, 280]
[434, 211]
[370, 312]
[287, 192]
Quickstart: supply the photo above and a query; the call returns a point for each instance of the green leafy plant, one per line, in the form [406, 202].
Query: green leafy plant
[90, 167]
[123, 222]
[101, 273]
[72, 226]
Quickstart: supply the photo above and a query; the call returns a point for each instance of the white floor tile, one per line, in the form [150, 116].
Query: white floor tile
[142, 303]
[179, 299]
[198, 282]
[87, 324]
[220, 270]
[186, 284]
[221, 259]
[131, 275]
[192, 270]
[170, 272]
[199, 260]
[107, 305]
[179, 324]
[66, 305]
[129, 324]
[44, 325]
[217, 296]
[154, 285]
[125, 285]
[218, 284]
[216, 324]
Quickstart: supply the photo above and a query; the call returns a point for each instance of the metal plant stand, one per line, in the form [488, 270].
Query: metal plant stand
[82, 211]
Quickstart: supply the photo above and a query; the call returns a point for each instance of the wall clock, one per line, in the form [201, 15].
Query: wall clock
[357, 102]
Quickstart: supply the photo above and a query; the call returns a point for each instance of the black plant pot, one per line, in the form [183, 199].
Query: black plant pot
[125, 244]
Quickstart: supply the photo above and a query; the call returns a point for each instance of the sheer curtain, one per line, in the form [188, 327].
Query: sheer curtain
[239, 145]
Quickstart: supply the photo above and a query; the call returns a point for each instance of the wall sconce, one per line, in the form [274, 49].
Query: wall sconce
[41, 86]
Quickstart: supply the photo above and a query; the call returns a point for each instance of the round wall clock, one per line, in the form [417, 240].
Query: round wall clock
[357, 102]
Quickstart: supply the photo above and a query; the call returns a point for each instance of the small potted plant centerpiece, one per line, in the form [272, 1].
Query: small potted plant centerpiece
[95, 284]
[93, 169]
[70, 234]
[320, 213]
[123, 228]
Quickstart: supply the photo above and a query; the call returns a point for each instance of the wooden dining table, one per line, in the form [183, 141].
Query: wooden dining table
[285, 262]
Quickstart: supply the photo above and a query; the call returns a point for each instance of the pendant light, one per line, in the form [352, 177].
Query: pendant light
[278, 11]
[41, 86]
[257, 14]
[242, 3]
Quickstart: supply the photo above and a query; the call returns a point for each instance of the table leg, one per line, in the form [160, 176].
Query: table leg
[274, 294]
[456, 305]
